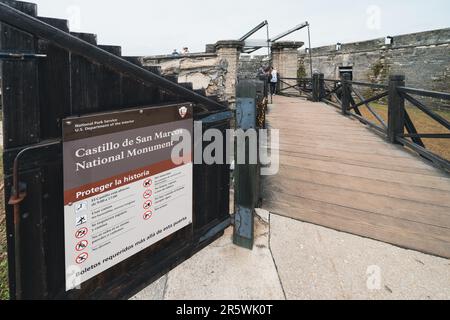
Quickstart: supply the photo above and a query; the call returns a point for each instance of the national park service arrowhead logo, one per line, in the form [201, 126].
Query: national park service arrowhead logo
[183, 112]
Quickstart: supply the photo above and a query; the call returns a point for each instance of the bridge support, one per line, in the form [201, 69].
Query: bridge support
[285, 60]
[230, 51]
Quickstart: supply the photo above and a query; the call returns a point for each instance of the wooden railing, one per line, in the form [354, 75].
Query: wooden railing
[399, 127]
[301, 87]
[350, 97]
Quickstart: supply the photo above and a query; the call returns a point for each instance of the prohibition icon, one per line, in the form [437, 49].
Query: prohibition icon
[81, 245]
[148, 215]
[148, 194]
[82, 258]
[148, 204]
[81, 233]
[148, 183]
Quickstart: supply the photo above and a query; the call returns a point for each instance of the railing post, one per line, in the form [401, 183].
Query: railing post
[315, 87]
[246, 174]
[396, 114]
[321, 86]
[346, 93]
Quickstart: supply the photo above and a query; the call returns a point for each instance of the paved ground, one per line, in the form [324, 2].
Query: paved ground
[295, 260]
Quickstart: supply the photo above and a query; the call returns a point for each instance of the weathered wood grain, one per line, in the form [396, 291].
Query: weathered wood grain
[337, 173]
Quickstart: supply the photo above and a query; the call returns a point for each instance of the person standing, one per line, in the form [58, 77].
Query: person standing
[273, 81]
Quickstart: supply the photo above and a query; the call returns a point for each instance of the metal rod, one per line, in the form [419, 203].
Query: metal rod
[286, 33]
[16, 199]
[21, 56]
[310, 49]
[66, 41]
[268, 40]
[254, 30]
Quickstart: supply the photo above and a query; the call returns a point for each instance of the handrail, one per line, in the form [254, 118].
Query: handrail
[71, 43]
[332, 80]
[394, 128]
[425, 93]
[302, 79]
[368, 84]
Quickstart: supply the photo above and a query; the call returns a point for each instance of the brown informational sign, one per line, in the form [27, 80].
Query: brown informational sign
[123, 191]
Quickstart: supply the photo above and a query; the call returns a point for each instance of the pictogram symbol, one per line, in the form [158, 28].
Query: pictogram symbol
[148, 215]
[81, 220]
[82, 206]
[82, 258]
[81, 245]
[148, 194]
[148, 204]
[148, 183]
[81, 233]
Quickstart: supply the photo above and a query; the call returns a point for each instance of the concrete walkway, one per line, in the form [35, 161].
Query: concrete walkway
[295, 260]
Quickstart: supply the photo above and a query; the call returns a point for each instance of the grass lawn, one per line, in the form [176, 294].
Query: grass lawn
[423, 123]
[4, 294]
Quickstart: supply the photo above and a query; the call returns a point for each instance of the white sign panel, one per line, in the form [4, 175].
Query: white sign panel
[122, 191]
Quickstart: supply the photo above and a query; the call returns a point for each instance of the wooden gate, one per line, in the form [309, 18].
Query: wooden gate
[48, 74]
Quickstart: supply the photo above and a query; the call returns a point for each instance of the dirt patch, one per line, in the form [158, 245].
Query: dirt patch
[423, 124]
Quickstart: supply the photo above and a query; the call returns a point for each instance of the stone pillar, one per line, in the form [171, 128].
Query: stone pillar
[285, 60]
[230, 51]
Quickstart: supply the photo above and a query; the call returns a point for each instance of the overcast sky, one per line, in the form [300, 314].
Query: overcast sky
[144, 27]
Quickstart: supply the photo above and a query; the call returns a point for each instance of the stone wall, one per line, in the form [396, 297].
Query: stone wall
[214, 71]
[424, 58]
[206, 71]
[249, 66]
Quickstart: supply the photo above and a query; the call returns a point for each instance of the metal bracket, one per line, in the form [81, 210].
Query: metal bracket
[244, 228]
[20, 56]
[246, 113]
[17, 199]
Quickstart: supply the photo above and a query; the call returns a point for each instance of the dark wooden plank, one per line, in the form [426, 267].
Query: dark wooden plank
[19, 106]
[26, 7]
[110, 84]
[135, 93]
[54, 83]
[84, 80]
